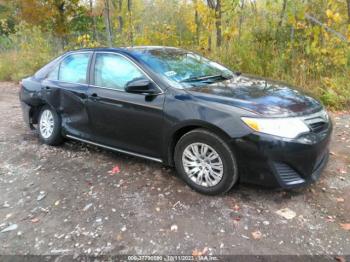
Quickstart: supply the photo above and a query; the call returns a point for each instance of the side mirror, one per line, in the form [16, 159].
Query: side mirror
[140, 86]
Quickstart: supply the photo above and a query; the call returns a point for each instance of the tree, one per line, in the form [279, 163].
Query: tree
[35, 12]
[118, 5]
[283, 11]
[7, 17]
[51, 15]
[108, 23]
[91, 5]
[348, 3]
[62, 11]
[216, 6]
[241, 15]
[196, 21]
[130, 33]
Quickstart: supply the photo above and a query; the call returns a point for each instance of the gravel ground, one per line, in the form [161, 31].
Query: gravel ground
[66, 200]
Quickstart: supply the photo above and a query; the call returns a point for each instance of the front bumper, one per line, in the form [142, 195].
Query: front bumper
[284, 163]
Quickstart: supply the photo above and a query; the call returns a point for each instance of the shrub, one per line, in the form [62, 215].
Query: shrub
[29, 50]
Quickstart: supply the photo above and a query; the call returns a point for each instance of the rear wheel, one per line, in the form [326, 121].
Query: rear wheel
[50, 126]
[206, 162]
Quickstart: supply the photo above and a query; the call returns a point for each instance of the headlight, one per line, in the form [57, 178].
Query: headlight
[325, 115]
[283, 127]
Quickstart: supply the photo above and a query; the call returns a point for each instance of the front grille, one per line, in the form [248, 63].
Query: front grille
[288, 175]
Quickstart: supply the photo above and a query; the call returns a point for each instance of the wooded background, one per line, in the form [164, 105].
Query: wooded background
[303, 42]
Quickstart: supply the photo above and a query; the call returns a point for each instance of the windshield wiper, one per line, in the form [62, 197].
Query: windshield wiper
[207, 77]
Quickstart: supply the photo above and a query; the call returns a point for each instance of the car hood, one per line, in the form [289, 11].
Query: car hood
[259, 95]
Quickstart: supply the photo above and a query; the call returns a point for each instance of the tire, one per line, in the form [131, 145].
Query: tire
[49, 126]
[184, 162]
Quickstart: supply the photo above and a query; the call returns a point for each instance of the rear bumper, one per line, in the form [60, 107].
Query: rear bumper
[26, 114]
[281, 163]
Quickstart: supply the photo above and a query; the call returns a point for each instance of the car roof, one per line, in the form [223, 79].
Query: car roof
[131, 51]
[128, 49]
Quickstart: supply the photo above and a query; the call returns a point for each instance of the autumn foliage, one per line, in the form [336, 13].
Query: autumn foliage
[305, 43]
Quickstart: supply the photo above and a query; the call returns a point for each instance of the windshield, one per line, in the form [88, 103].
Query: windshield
[184, 68]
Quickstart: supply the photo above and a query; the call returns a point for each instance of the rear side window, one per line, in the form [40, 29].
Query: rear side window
[43, 72]
[73, 68]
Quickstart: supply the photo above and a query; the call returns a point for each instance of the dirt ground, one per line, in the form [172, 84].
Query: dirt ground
[66, 200]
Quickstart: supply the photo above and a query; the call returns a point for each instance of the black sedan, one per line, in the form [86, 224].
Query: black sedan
[217, 127]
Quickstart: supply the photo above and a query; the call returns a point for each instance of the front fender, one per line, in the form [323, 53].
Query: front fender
[183, 112]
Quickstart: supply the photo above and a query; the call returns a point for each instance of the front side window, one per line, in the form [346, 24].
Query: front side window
[53, 75]
[114, 71]
[73, 68]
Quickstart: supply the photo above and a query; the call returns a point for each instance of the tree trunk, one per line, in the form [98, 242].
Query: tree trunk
[254, 7]
[131, 37]
[209, 43]
[108, 24]
[61, 25]
[196, 21]
[240, 23]
[348, 2]
[94, 35]
[120, 17]
[218, 23]
[283, 11]
[216, 6]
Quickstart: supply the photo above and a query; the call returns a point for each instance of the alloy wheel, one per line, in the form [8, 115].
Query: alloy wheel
[202, 164]
[46, 124]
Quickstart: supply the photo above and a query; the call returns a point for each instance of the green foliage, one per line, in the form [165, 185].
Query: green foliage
[29, 51]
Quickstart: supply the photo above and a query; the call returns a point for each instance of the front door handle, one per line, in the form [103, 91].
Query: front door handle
[46, 90]
[94, 97]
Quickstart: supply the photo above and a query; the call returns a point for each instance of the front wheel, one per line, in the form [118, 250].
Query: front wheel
[50, 126]
[206, 162]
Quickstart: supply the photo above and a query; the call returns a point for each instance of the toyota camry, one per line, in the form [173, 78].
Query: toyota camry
[217, 127]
